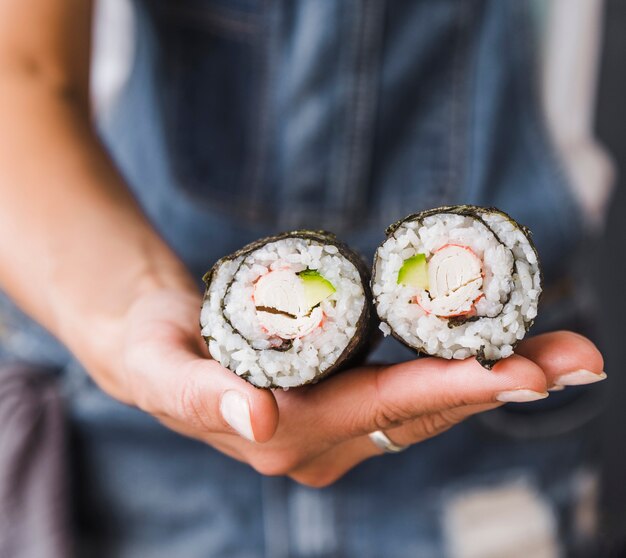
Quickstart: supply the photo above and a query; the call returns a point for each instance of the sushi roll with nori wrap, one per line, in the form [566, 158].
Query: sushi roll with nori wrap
[288, 310]
[456, 282]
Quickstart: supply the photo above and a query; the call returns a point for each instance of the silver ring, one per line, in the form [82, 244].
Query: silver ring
[382, 441]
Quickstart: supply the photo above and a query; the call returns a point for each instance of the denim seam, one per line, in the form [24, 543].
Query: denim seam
[260, 128]
[365, 97]
[440, 190]
[462, 79]
[353, 103]
[340, 158]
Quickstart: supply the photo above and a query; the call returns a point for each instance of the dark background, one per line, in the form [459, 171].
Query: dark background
[607, 259]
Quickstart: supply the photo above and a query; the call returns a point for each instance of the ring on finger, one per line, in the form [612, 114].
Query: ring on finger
[382, 442]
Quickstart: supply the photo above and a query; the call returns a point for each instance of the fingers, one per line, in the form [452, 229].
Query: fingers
[336, 462]
[564, 358]
[422, 428]
[567, 358]
[553, 359]
[378, 398]
[170, 379]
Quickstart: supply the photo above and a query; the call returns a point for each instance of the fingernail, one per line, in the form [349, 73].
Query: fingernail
[579, 378]
[236, 412]
[556, 388]
[520, 396]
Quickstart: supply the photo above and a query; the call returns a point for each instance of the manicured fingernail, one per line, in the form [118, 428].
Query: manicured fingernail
[556, 388]
[579, 378]
[236, 412]
[520, 396]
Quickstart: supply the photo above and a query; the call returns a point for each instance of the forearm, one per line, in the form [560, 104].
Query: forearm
[75, 248]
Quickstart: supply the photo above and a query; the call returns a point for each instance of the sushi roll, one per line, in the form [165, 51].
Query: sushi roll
[458, 281]
[288, 310]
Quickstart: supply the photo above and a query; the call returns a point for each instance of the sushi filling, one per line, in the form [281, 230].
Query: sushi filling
[455, 279]
[284, 313]
[455, 285]
[286, 303]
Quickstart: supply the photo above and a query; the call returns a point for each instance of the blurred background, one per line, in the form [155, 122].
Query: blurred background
[609, 272]
[602, 260]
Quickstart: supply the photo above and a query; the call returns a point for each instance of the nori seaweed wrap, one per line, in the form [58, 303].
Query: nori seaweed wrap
[456, 282]
[289, 309]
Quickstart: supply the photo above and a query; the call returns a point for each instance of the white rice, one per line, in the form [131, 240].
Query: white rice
[511, 286]
[247, 351]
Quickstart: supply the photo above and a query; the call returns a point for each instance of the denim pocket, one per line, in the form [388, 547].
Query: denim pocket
[211, 90]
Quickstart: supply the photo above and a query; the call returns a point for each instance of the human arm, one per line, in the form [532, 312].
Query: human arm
[110, 289]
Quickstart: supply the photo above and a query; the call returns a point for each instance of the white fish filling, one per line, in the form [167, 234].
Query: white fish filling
[288, 315]
[497, 279]
[454, 282]
[242, 337]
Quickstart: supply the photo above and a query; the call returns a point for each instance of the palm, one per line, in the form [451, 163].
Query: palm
[316, 433]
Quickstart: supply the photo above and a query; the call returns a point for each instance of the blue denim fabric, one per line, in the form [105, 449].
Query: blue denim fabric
[253, 116]
[245, 117]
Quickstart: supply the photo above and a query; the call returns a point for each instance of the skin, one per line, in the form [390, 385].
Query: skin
[123, 303]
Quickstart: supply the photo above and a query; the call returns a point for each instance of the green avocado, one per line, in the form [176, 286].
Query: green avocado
[414, 272]
[316, 288]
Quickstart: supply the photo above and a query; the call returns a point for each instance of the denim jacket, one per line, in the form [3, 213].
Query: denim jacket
[242, 118]
[246, 116]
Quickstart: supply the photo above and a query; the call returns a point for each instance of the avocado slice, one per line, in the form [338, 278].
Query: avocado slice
[414, 272]
[316, 288]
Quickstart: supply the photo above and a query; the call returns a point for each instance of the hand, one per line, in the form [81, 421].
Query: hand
[315, 434]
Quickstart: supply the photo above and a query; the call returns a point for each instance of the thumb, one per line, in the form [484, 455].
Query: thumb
[169, 379]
